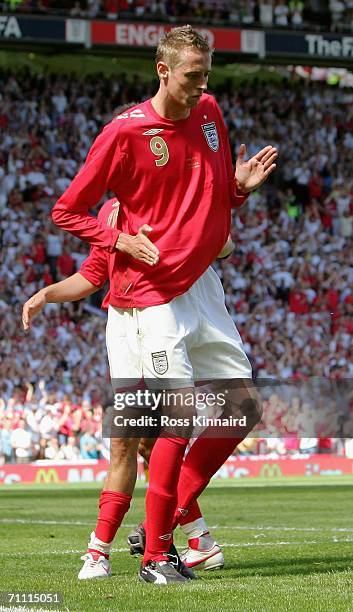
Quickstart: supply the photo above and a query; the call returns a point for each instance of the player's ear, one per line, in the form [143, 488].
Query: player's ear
[162, 70]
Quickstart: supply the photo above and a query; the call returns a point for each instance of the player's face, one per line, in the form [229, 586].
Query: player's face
[187, 81]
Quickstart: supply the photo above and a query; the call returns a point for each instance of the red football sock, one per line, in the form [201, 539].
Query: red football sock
[165, 463]
[112, 508]
[193, 513]
[203, 460]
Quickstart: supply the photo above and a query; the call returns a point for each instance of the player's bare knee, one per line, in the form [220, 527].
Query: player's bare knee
[244, 401]
[253, 405]
[122, 449]
[251, 408]
[145, 448]
[178, 412]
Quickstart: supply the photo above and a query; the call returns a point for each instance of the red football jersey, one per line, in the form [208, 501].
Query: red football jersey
[176, 176]
[96, 267]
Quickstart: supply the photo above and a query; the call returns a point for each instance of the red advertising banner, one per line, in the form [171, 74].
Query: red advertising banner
[137, 34]
[303, 465]
[103, 32]
[46, 472]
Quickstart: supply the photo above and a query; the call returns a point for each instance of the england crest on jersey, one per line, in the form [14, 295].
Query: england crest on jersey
[211, 135]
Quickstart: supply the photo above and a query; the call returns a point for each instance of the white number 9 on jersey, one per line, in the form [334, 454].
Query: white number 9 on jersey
[160, 149]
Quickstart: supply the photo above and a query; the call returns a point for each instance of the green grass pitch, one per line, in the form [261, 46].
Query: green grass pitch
[288, 546]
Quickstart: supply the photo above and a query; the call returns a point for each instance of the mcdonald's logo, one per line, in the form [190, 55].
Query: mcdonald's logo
[270, 470]
[44, 476]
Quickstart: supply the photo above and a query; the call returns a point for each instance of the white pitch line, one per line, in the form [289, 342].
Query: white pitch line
[43, 522]
[224, 545]
[259, 544]
[14, 521]
[56, 552]
[294, 529]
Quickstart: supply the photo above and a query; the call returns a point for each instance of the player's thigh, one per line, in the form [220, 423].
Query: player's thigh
[163, 330]
[167, 369]
[219, 352]
[123, 347]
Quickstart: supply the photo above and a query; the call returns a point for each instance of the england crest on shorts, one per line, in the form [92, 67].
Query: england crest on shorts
[160, 362]
[211, 135]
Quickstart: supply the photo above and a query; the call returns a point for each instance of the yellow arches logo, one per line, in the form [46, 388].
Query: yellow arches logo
[44, 476]
[270, 470]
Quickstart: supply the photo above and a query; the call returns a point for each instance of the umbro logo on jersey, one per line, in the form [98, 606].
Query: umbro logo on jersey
[134, 114]
[137, 113]
[183, 511]
[153, 132]
[166, 537]
[211, 135]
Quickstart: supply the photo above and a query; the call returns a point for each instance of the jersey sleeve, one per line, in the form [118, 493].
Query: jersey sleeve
[95, 267]
[71, 210]
[236, 199]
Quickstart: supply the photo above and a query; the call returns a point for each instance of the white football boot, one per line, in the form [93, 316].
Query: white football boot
[203, 553]
[96, 565]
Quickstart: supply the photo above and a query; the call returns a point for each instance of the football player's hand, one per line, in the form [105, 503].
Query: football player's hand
[32, 307]
[140, 246]
[250, 174]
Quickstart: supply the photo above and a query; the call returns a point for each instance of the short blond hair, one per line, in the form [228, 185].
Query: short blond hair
[177, 39]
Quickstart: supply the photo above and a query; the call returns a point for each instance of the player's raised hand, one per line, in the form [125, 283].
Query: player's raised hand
[140, 246]
[250, 174]
[32, 307]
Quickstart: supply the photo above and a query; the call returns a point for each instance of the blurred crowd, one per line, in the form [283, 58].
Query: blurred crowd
[341, 15]
[47, 428]
[288, 283]
[248, 13]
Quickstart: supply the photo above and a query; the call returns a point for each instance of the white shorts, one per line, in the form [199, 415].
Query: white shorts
[192, 337]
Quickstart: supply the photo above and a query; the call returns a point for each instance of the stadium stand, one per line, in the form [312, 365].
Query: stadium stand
[288, 283]
[290, 14]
